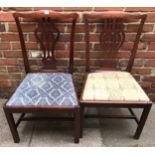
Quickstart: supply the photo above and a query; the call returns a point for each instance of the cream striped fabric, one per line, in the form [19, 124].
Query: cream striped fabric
[113, 85]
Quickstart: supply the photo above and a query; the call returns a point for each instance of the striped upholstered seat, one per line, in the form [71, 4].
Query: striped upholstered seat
[113, 86]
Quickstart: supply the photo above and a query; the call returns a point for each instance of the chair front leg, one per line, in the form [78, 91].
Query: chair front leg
[77, 125]
[12, 125]
[142, 121]
[81, 121]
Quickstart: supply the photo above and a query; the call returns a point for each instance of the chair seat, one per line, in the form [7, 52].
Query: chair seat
[45, 89]
[113, 86]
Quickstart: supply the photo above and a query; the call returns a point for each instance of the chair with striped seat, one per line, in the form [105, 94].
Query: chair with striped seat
[109, 82]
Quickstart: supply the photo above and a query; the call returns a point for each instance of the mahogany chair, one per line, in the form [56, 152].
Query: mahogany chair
[51, 89]
[112, 84]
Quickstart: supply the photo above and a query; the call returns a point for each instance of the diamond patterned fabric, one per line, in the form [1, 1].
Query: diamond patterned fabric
[113, 86]
[45, 89]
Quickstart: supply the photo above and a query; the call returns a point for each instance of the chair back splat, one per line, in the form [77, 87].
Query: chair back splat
[112, 34]
[47, 34]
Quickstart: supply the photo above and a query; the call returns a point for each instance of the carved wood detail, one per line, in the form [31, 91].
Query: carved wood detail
[112, 35]
[47, 35]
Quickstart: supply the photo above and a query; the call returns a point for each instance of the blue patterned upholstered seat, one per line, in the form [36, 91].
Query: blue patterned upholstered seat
[45, 89]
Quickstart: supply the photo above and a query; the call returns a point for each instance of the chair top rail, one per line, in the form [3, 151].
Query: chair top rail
[113, 14]
[46, 13]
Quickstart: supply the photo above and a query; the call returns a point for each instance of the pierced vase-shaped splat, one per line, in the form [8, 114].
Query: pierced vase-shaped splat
[47, 35]
[112, 35]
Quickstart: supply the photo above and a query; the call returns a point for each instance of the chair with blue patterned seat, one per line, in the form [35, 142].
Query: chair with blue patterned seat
[50, 89]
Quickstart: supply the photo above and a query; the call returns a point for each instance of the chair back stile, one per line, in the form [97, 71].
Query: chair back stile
[47, 35]
[113, 34]
[23, 46]
[135, 46]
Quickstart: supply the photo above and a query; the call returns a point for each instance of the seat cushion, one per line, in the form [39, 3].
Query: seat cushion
[113, 86]
[45, 89]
